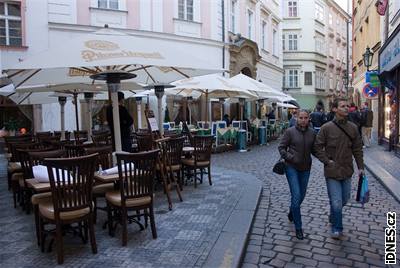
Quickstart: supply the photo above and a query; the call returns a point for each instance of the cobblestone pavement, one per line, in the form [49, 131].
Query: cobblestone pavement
[383, 157]
[186, 234]
[272, 241]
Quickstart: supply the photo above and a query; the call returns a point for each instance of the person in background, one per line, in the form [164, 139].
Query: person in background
[226, 119]
[367, 117]
[336, 144]
[125, 121]
[295, 148]
[330, 115]
[292, 121]
[318, 118]
[355, 116]
[271, 115]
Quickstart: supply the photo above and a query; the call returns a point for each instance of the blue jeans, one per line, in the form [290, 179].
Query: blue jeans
[298, 181]
[339, 194]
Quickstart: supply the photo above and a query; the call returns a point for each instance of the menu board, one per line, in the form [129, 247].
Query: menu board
[153, 124]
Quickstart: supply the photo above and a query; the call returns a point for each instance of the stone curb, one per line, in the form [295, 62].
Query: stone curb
[230, 246]
[391, 184]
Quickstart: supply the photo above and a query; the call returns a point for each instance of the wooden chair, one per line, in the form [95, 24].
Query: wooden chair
[42, 135]
[102, 139]
[66, 133]
[37, 158]
[104, 159]
[75, 150]
[136, 172]
[71, 181]
[201, 157]
[81, 135]
[145, 142]
[169, 164]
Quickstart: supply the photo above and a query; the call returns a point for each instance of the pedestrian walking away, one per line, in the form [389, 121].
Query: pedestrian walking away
[295, 148]
[336, 144]
[318, 118]
[367, 117]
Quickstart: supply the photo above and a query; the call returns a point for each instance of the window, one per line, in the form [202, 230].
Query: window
[283, 42]
[331, 51]
[292, 8]
[337, 81]
[233, 12]
[308, 78]
[319, 44]
[185, 10]
[293, 78]
[320, 79]
[275, 42]
[337, 21]
[108, 4]
[249, 23]
[264, 34]
[330, 19]
[284, 80]
[319, 12]
[338, 54]
[292, 41]
[331, 81]
[10, 24]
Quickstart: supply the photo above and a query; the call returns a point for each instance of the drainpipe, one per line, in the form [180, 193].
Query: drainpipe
[223, 33]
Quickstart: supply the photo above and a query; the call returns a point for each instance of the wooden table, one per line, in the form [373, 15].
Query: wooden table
[103, 178]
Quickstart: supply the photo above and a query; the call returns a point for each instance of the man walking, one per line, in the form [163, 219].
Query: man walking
[318, 118]
[336, 144]
[367, 116]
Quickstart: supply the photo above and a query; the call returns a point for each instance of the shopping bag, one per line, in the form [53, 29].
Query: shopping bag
[362, 190]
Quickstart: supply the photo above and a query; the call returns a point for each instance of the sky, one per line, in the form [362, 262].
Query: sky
[342, 3]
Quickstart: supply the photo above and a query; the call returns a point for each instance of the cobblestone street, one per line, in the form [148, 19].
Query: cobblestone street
[272, 240]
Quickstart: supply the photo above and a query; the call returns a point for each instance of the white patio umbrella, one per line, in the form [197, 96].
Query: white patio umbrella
[212, 85]
[262, 90]
[105, 50]
[286, 105]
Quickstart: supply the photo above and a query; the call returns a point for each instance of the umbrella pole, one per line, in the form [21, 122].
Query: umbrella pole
[206, 105]
[139, 113]
[159, 104]
[62, 101]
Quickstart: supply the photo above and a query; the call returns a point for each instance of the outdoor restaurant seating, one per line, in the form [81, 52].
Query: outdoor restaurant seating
[71, 181]
[67, 134]
[103, 161]
[201, 157]
[102, 139]
[81, 135]
[144, 141]
[136, 172]
[75, 150]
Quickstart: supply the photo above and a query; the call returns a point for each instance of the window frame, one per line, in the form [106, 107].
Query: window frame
[108, 4]
[7, 18]
[330, 19]
[293, 44]
[308, 79]
[185, 12]
[319, 12]
[264, 35]
[319, 79]
[250, 17]
[292, 78]
[292, 8]
[233, 15]
[274, 42]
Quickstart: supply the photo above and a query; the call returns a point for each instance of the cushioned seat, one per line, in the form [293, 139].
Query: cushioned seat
[114, 198]
[47, 210]
[101, 189]
[173, 167]
[41, 198]
[17, 176]
[190, 162]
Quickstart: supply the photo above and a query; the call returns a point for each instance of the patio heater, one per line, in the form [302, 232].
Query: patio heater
[75, 96]
[139, 111]
[241, 103]
[159, 90]
[242, 146]
[222, 101]
[189, 101]
[113, 79]
[88, 98]
[62, 100]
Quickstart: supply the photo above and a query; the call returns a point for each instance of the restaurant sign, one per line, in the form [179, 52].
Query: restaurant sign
[389, 58]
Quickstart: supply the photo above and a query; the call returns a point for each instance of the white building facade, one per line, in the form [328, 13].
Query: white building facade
[237, 35]
[314, 47]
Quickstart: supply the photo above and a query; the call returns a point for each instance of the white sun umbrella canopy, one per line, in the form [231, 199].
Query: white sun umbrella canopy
[212, 85]
[104, 50]
[262, 90]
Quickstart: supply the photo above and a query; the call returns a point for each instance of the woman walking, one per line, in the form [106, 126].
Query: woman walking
[295, 148]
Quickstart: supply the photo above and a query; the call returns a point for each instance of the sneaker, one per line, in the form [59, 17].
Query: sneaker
[290, 216]
[336, 234]
[299, 234]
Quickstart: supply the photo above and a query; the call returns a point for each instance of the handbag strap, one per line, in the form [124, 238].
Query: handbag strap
[344, 131]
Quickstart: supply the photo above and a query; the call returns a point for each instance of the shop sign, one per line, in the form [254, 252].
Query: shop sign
[390, 56]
